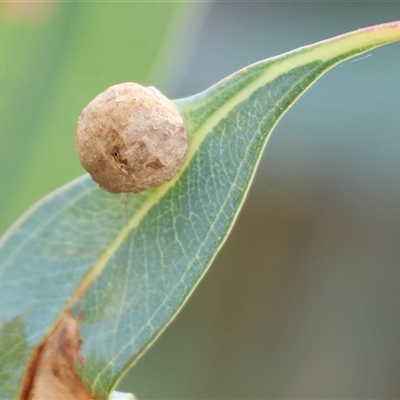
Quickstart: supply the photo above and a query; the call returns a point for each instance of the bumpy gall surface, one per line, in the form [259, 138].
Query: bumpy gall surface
[131, 138]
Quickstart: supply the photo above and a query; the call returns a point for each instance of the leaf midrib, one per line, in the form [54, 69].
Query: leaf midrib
[343, 47]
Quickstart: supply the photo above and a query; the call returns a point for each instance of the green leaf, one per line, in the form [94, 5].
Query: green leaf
[50, 68]
[127, 264]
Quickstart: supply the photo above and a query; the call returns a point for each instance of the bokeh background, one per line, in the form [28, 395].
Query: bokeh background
[303, 301]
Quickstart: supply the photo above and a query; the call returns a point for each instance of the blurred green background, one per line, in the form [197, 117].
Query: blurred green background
[303, 300]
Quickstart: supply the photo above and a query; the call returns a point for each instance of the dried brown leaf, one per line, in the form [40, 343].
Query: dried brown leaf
[52, 373]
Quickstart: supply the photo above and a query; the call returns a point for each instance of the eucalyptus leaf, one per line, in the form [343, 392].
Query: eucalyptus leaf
[125, 264]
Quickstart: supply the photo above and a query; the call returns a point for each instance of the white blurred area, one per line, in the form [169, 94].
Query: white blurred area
[122, 396]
